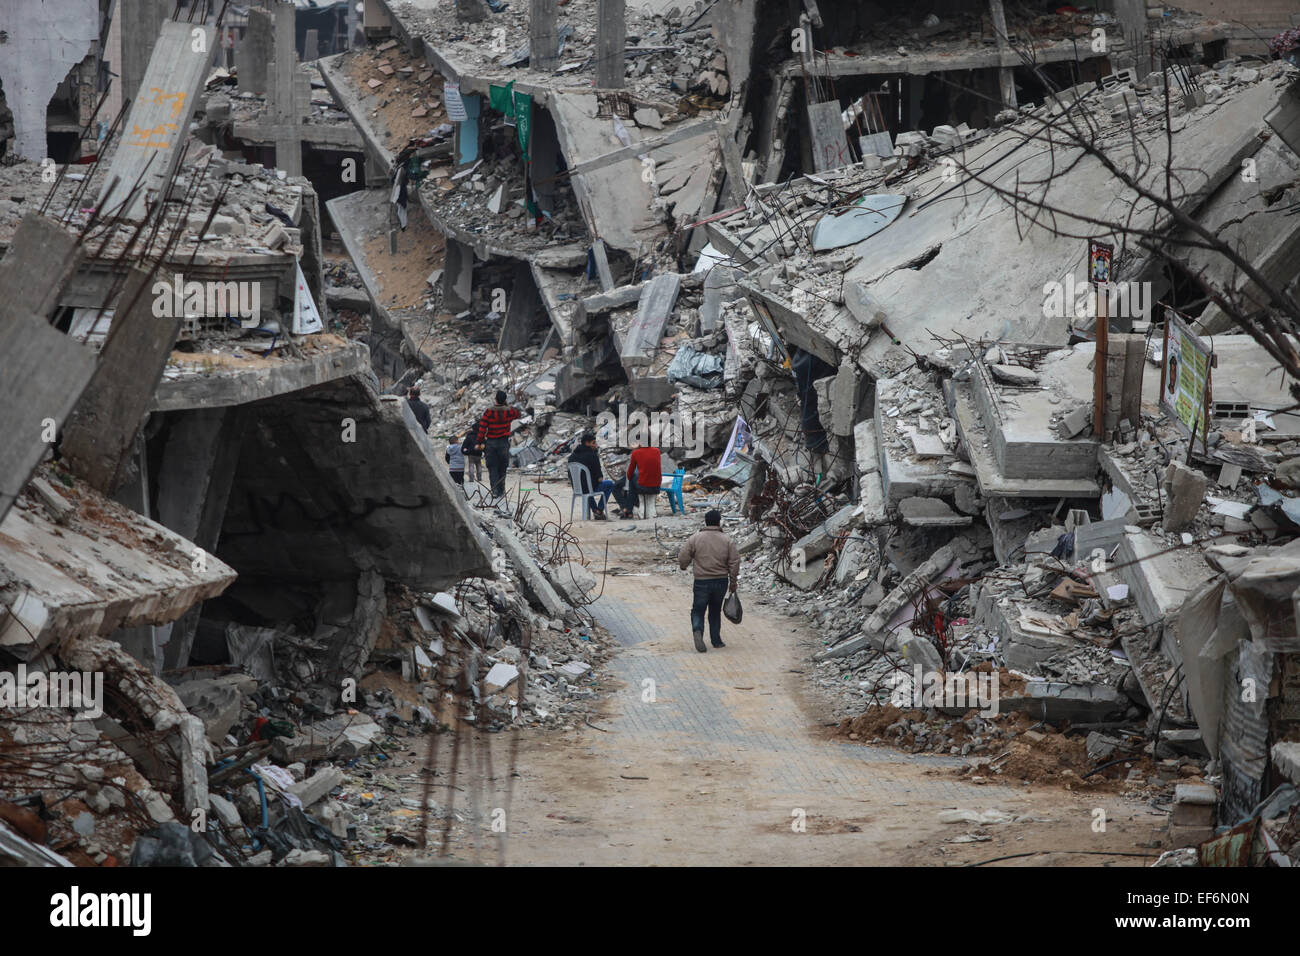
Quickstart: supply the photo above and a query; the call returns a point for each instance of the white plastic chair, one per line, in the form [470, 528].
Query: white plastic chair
[648, 509]
[580, 477]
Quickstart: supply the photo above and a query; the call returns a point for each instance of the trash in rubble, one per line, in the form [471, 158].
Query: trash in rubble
[526, 455]
[170, 844]
[852, 224]
[1270, 498]
[699, 369]
[975, 816]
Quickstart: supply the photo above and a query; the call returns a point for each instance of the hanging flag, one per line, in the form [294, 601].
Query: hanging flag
[306, 317]
[455, 105]
[502, 99]
[399, 195]
[524, 119]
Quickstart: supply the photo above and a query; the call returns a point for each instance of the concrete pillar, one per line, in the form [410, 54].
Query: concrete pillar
[194, 481]
[611, 35]
[457, 276]
[1125, 360]
[1132, 17]
[140, 642]
[288, 143]
[141, 21]
[255, 51]
[543, 39]
[1006, 78]
[521, 311]
[375, 21]
[313, 259]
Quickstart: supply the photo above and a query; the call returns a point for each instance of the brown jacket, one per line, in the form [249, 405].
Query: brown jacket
[713, 553]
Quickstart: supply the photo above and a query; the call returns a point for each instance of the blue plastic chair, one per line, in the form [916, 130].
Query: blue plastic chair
[674, 492]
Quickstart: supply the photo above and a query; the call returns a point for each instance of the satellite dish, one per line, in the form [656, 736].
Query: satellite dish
[853, 223]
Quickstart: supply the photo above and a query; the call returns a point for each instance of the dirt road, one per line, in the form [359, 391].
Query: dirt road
[722, 758]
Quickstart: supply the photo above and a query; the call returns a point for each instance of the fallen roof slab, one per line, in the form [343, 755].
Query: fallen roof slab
[95, 568]
[336, 480]
[238, 381]
[990, 478]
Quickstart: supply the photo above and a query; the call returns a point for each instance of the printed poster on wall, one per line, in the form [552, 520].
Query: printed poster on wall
[1185, 375]
[452, 101]
[1100, 255]
[741, 443]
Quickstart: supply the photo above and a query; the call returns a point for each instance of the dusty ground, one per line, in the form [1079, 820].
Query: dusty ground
[406, 103]
[724, 758]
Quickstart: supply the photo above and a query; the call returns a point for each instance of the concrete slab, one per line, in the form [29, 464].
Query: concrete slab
[336, 480]
[1159, 582]
[991, 480]
[149, 147]
[332, 359]
[536, 587]
[103, 568]
[1019, 422]
[652, 312]
[931, 512]
[1055, 701]
[101, 431]
[819, 540]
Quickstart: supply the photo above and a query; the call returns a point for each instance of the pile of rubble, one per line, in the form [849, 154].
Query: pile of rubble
[279, 753]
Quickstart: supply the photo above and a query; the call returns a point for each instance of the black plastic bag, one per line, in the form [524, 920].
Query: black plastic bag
[732, 609]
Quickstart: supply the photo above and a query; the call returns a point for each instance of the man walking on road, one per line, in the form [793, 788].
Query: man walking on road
[494, 437]
[716, 561]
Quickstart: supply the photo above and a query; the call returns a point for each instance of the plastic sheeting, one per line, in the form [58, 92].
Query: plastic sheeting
[698, 369]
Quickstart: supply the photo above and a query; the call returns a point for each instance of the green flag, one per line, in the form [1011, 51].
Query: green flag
[523, 120]
[501, 99]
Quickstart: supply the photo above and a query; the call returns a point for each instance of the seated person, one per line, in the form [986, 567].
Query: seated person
[587, 455]
[644, 471]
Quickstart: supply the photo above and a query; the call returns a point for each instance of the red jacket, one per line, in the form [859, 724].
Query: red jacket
[495, 422]
[645, 464]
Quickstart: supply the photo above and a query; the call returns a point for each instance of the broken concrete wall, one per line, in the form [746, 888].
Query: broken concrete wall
[47, 38]
[144, 703]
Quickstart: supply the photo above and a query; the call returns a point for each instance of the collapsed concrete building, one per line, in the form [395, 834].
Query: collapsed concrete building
[984, 519]
[820, 222]
[211, 507]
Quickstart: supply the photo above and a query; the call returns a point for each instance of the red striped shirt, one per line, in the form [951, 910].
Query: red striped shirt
[495, 422]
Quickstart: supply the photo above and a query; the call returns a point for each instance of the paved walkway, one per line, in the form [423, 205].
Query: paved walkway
[718, 758]
[711, 758]
[740, 699]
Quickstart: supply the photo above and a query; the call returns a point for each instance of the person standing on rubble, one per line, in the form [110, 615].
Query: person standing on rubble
[473, 453]
[715, 560]
[494, 437]
[455, 457]
[420, 410]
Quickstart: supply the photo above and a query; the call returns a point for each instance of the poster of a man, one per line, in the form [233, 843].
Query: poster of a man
[1099, 258]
